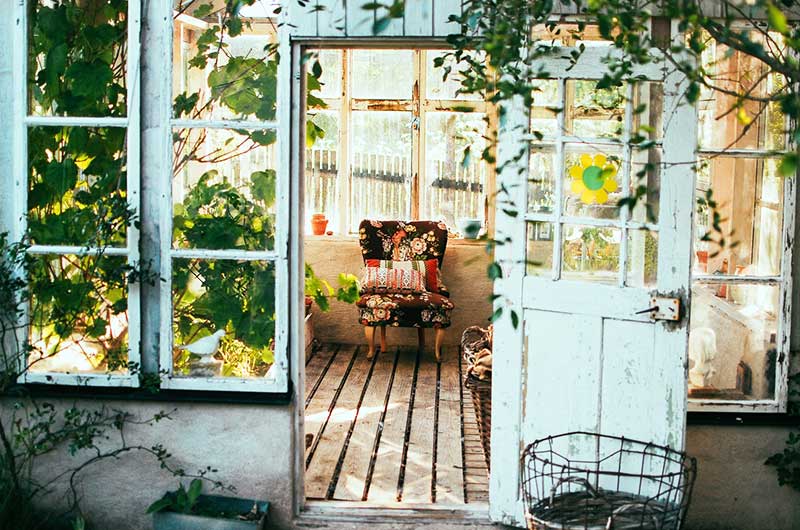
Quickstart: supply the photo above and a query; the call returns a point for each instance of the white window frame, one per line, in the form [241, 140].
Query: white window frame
[779, 404]
[277, 379]
[783, 281]
[418, 105]
[22, 122]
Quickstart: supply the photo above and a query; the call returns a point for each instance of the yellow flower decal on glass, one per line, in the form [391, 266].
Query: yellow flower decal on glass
[593, 179]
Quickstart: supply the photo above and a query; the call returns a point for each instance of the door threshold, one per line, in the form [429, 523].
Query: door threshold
[468, 514]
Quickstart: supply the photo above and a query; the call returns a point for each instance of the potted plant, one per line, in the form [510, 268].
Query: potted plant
[189, 509]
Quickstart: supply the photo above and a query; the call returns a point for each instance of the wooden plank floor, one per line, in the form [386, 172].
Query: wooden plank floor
[399, 428]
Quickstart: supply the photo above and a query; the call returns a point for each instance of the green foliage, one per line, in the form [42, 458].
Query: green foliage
[787, 462]
[181, 500]
[78, 54]
[321, 291]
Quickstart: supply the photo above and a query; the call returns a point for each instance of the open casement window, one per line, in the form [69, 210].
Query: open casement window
[225, 256]
[77, 173]
[387, 139]
[740, 318]
[591, 345]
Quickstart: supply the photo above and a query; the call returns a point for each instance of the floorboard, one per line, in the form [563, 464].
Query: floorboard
[368, 446]
[418, 483]
[383, 484]
[355, 468]
[449, 476]
[320, 407]
[321, 470]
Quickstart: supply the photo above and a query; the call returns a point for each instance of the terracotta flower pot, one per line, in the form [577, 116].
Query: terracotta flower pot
[318, 224]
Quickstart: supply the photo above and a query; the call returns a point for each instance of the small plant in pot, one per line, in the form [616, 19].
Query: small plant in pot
[190, 509]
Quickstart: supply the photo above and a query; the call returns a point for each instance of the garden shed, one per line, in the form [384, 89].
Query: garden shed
[200, 188]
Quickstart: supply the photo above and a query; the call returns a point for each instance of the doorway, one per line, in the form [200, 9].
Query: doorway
[383, 139]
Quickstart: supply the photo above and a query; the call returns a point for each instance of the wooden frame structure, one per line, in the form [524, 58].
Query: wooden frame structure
[418, 105]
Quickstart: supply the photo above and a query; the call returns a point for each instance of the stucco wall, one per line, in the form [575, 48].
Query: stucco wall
[734, 489]
[247, 444]
[250, 444]
[463, 271]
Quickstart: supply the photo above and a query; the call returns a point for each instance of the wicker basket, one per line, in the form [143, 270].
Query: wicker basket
[482, 402]
[473, 340]
[590, 481]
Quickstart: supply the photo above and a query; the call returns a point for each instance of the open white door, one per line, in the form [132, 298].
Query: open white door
[586, 353]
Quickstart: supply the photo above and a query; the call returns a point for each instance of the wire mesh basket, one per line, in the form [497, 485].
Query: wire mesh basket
[583, 480]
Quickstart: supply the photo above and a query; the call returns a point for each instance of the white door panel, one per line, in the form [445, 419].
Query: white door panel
[586, 355]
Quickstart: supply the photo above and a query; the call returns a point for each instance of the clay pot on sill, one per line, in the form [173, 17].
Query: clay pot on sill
[318, 224]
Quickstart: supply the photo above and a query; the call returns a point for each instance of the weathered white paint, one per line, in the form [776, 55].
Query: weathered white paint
[277, 378]
[589, 362]
[340, 18]
[22, 121]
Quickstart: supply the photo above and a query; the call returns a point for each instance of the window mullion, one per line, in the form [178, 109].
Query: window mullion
[133, 183]
[417, 136]
[344, 174]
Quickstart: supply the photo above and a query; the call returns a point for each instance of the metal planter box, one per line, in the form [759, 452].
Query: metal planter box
[166, 520]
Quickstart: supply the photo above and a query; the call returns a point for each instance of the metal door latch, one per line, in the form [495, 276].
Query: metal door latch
[663, 308]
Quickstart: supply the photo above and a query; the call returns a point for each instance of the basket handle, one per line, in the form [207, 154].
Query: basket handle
[574, 480]
[624, 507]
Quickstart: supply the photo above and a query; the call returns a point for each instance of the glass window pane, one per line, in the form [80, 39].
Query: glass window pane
[382, 74]
[541, 180]
[223, 189]
[733, 341]
[381, 166]
[592, 112]
[322, 169]
[590, 254]
[749, 197]
[439, 88]
[331, 79]
[78, 314]
[642, 258]
[544, 121]
[77, 186]
[566, 34]
[646, 184]
[223, 73]
[232, 301]
[540, 249]
[753, 124]
[77, 56]
[648, 123]
[592, 181]
[455, 179]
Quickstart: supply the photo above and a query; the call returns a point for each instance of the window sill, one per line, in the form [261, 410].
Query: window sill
[37, 390]
[751, 419]
[350, 238]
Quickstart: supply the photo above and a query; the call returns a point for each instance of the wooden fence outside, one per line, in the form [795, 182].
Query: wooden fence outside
[381, 187]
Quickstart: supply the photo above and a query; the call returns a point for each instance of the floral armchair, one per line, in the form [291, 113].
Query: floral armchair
[401, 241]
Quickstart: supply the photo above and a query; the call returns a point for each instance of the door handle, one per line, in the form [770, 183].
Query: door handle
[648, 310]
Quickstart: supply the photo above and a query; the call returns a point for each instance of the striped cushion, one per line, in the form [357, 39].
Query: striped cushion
[428, 268]
[386, 280]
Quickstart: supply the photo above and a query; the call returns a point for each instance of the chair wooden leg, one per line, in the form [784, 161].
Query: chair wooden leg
[369, 331]
[421, 338]
[383, 339]
[438, 346]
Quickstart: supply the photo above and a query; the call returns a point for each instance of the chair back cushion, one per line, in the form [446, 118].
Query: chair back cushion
[401, 241]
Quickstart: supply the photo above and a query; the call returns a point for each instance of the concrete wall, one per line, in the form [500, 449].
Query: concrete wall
[463, 271]
[734, 489]
[247, 444]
